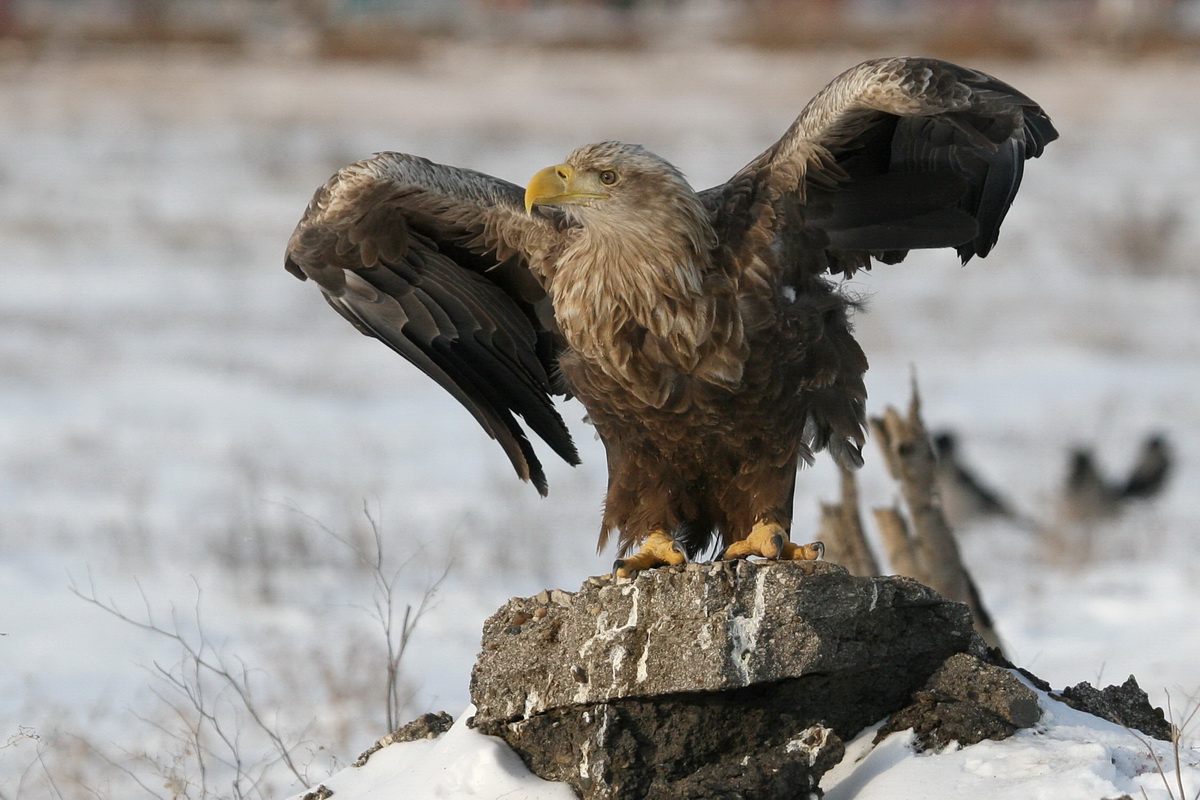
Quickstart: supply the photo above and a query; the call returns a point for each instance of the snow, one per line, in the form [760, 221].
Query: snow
[459, 764]
[181, 421]
[1068, 755]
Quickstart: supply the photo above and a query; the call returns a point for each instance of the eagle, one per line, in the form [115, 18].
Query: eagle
[707, 334]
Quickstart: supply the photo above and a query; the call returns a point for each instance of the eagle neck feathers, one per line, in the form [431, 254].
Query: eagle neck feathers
[639, 299]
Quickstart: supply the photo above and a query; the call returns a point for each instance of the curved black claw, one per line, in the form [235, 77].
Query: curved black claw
[778, 541]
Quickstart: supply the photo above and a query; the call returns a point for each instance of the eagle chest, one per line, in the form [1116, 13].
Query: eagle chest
[637, 330]
[637, 396]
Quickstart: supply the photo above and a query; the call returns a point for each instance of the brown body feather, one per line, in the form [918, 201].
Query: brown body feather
[717, 458]
[700, 330]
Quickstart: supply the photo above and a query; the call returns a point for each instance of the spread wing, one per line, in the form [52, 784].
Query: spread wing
[893, 155]
[433, 261]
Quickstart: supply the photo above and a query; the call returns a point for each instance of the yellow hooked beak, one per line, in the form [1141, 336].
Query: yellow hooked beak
[562, 184]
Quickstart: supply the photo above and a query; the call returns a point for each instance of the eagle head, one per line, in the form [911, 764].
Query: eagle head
[596, 174]
[625, 188]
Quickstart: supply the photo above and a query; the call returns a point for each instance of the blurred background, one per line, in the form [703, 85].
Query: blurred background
[238, 541]
[398, 28]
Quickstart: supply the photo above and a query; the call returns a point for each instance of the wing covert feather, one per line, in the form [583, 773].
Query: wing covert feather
[893, 155]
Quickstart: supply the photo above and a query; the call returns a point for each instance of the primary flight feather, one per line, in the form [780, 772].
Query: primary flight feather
[700, 330]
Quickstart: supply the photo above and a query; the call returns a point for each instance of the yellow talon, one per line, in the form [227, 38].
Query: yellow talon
[659, 548]
[766, 539]
[813, 551]
[770, 540]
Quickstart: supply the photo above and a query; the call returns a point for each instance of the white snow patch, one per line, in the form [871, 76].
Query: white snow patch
[1067, 756]
[460, 764]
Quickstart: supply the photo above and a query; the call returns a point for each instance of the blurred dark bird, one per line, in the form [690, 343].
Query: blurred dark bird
[964, 496]
[1151, 470]
[701, 330]
[1086, 495]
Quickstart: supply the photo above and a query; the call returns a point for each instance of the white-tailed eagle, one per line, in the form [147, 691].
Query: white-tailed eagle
[700, 330]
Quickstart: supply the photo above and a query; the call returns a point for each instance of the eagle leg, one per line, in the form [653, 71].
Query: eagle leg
[659, 548]
[770, 540]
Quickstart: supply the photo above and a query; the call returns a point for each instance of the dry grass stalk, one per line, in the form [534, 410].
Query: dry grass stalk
[1161, 765]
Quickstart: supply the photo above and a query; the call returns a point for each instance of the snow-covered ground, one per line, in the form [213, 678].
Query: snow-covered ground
[1068, 755]
[189, 434]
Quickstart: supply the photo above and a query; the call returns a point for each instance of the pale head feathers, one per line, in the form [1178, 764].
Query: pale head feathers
[633, 286]
[649, 193]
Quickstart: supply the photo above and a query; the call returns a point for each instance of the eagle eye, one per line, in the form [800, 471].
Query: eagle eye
[608, 177]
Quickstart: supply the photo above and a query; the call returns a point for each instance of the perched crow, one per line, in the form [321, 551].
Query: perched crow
[964, 497]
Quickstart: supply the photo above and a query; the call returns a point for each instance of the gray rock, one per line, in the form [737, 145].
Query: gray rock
[1125, 705]
[728, 626]
[725, 680]
[754, 744]
[966, 701]
[426, 726]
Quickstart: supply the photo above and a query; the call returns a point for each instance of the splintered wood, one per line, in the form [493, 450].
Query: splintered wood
[923, 545]
[842, 531]
[910, 459]
[917, 540]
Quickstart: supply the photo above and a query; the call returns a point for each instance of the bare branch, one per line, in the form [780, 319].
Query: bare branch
[234, 678]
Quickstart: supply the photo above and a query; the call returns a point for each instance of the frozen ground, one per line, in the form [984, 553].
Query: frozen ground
[180, 420]
[1066, 756]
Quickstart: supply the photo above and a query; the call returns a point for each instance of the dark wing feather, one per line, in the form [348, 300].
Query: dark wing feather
[895, 154]
[432, 261]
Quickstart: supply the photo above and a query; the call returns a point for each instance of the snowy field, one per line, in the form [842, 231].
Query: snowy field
[189, 435]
